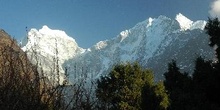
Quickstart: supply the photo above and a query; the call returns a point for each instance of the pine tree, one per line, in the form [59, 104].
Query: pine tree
[205, 84]
[213, 30]
[202, 91]
[207, 74]
[179, 88]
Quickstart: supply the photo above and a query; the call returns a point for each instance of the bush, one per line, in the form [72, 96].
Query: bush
[21, 86]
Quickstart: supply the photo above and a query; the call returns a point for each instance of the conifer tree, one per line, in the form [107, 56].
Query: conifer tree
[205, 84]
[179, 88]
[207, 74]
[213, 30]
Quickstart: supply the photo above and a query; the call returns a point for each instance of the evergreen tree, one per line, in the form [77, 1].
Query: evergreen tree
[206, 90]
[207, 74]
[179, 88]
[202, 91]
[213, 30]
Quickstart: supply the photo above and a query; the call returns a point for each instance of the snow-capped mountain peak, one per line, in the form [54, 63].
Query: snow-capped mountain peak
[45, 29]
[153, 43]
[47, 45]
[184, 22]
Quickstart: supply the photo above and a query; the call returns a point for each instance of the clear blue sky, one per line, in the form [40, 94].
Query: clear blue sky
[89, 21]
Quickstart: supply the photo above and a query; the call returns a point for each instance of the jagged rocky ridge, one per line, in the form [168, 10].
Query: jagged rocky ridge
[153, 43]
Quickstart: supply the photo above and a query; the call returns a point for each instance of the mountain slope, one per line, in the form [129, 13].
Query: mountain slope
[153, 43]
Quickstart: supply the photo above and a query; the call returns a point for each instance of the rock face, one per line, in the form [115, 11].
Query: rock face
[153, 43]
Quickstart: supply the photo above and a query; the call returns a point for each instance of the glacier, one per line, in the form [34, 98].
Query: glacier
[153, 43]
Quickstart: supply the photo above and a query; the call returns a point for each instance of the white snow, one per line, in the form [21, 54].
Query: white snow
[144, 41]
[124, 34]
[51, 44]
[184, 22]
[47, 32]
[100, 45]
[198, 25]
[150, 20]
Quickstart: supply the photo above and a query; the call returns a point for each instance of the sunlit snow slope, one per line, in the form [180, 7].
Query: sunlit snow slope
[153, 43]
[49, 49]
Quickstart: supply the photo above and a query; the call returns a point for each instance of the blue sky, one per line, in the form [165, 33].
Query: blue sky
[89, 21]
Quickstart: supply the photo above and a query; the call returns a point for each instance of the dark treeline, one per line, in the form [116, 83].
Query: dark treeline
[126, 87]
[201, 91]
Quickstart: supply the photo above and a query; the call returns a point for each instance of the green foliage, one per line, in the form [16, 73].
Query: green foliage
[122, 88]
[161, 96]
[155, 97]
[126, 86]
